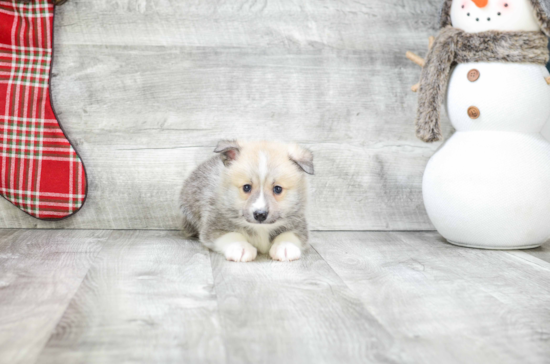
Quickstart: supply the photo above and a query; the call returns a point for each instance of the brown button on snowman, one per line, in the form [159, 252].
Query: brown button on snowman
[489, 185]
[473, 75]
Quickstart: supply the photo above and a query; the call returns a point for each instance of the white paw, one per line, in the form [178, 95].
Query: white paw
[285, 252]
[240, 252]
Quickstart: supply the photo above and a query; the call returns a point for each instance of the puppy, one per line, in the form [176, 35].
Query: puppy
[250, 197]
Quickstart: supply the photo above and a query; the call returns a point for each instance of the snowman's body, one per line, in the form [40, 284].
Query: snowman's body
[489, 185]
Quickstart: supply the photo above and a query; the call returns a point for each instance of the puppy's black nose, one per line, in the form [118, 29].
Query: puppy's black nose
[260, 216]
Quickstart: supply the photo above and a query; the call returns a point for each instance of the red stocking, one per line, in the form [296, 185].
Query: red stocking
[40, 172]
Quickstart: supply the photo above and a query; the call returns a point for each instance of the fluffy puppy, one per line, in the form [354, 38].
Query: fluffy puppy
[250, 197]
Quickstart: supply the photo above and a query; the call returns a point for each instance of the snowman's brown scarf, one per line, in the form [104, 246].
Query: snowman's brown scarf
[456, 46]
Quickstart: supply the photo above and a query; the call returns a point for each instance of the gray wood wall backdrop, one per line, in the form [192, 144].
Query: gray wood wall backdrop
[145, 88]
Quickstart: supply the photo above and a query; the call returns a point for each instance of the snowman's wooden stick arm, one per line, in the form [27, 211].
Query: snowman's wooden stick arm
[547, 80]
[416, 59]
[431, 41]
[420, 61]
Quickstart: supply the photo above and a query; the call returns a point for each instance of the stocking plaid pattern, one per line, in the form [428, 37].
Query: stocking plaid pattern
[40, 171]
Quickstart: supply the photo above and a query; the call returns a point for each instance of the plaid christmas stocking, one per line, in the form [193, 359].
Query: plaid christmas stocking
[40, 172]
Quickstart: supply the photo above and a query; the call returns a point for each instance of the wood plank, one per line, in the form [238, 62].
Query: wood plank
[541, 253]
[299, 312]
[146, 88]
[148, 299]
[372, 191]
[337, 24]
[446, 304]
[39, 273]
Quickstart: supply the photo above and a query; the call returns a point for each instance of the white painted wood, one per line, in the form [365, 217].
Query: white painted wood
[149, 298]
[447, 304]
[146, 88]
[40, 272]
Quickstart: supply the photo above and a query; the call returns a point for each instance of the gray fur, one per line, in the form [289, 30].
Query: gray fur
[452, 46]
[208, 212]
[542, 12]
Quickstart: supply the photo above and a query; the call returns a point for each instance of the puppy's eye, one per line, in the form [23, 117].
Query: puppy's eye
[247, 188]
[277, 190]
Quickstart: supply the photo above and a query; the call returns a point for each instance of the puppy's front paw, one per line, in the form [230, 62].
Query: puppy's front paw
[240, 252]
[285, 252]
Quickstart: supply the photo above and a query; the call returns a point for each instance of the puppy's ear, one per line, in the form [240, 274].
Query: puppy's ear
[229, 150]
[302, 157]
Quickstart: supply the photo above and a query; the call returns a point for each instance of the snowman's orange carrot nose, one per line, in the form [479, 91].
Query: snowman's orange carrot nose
[481, 3]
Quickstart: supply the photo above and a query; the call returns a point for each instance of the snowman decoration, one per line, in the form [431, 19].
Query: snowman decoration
[488, 186]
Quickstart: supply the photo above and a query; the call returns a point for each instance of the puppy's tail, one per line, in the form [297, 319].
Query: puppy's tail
[189, 230]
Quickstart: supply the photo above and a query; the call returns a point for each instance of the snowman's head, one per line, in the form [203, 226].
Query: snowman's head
[474, 16]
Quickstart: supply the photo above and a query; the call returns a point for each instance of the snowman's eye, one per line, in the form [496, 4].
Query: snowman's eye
[505, 5]
[499, 14]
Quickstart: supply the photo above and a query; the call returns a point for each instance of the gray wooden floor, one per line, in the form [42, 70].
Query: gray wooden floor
[355, 297]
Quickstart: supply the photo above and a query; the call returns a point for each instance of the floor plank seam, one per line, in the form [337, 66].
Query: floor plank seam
[529, 259]
[142, 229]
[69, 301]
[222, 324]
[354, 293]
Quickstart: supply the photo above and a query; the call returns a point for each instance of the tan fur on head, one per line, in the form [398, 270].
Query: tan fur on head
[265, 166]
